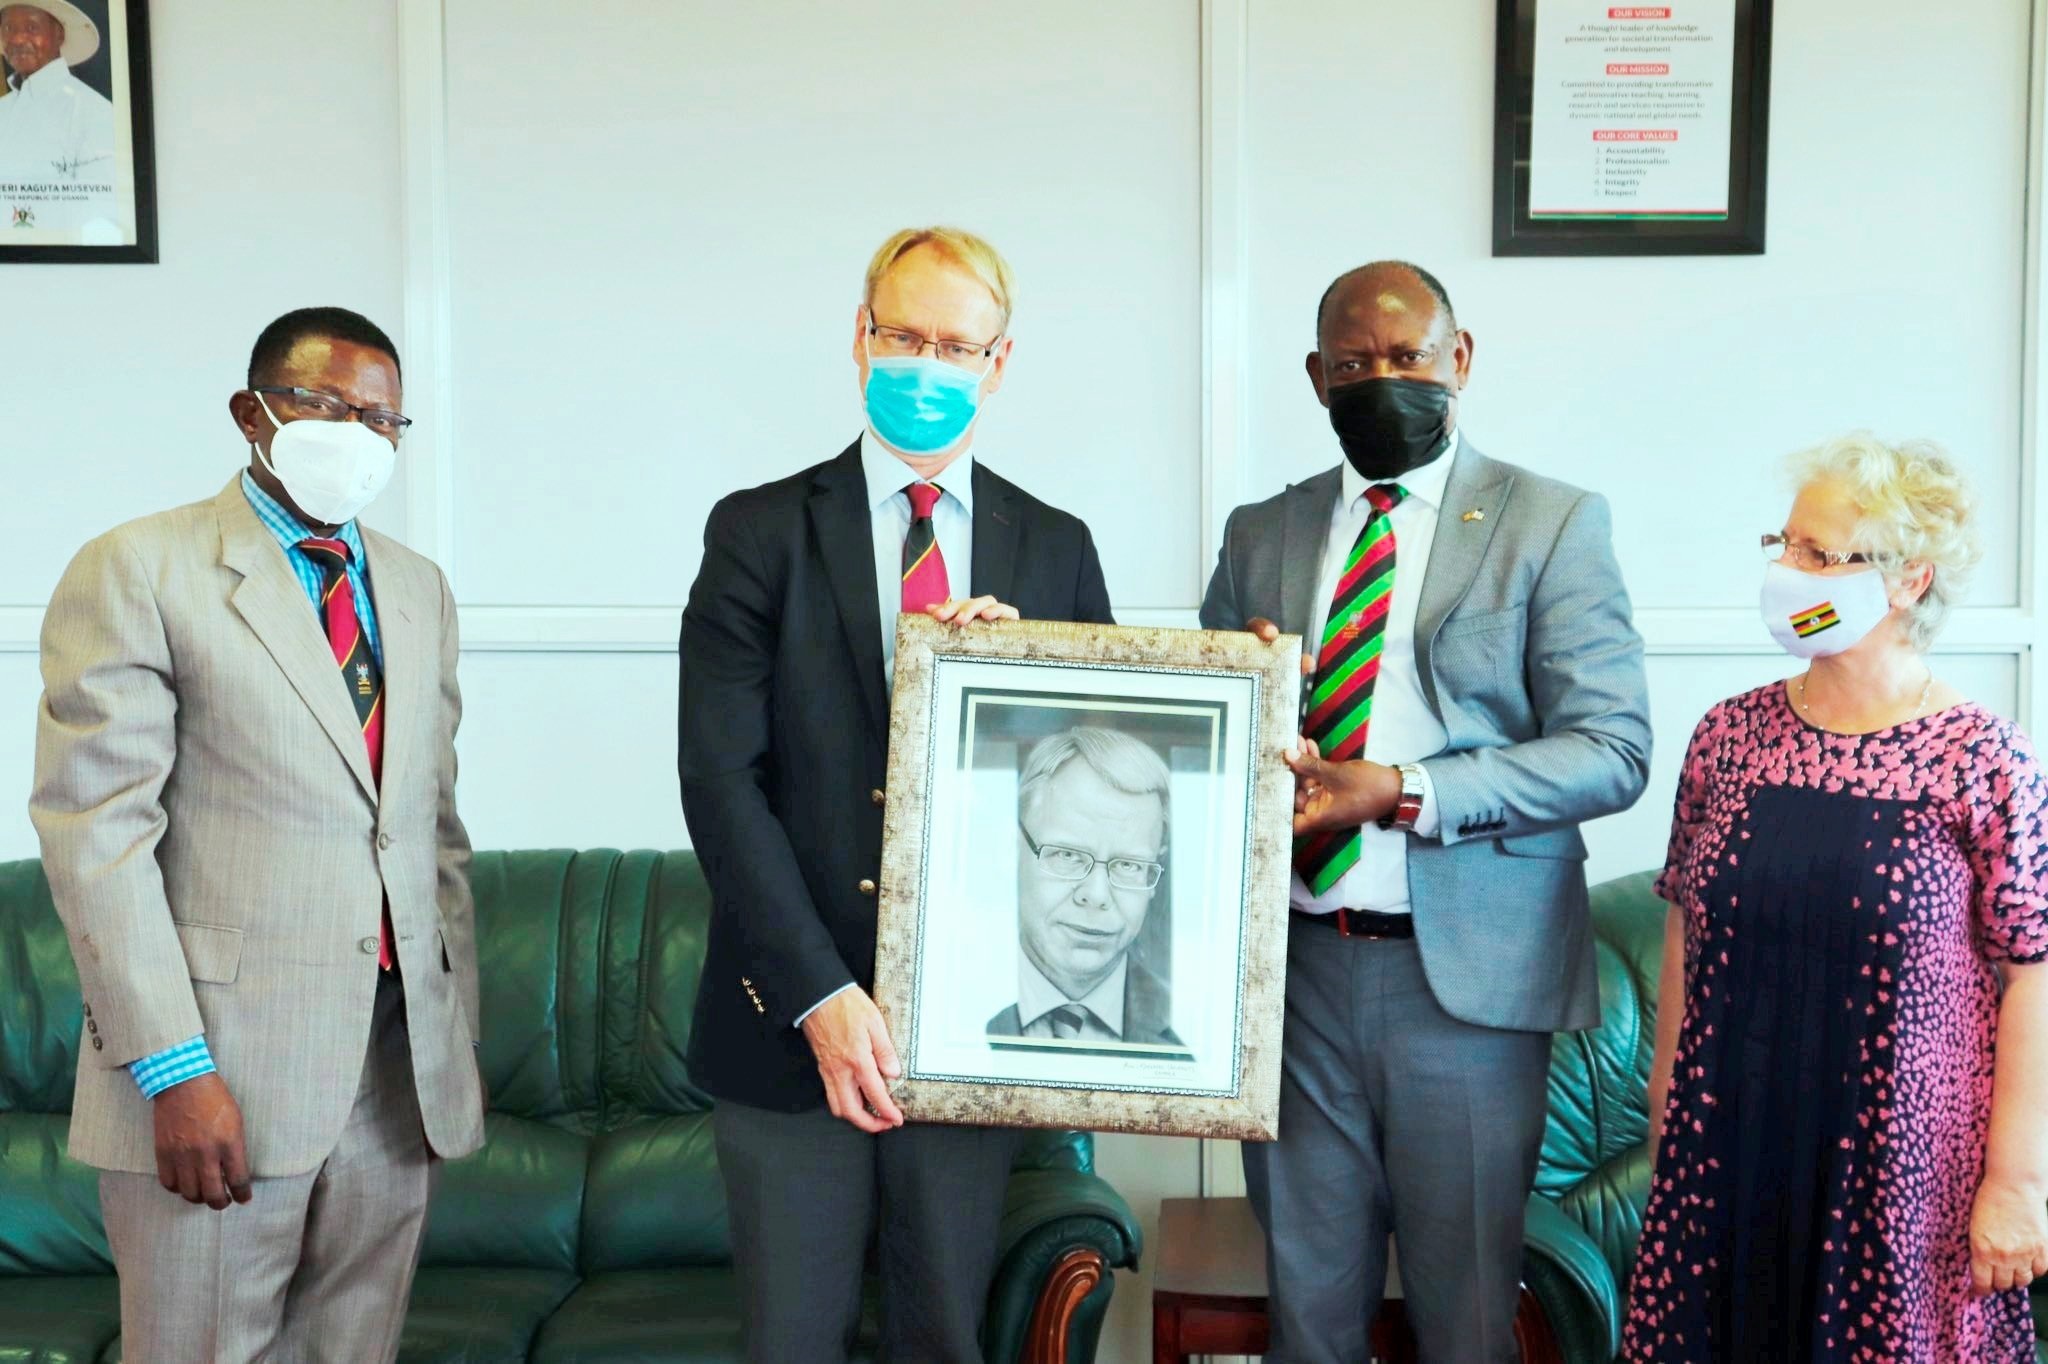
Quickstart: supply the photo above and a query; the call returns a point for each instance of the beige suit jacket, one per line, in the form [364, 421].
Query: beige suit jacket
[218, 850]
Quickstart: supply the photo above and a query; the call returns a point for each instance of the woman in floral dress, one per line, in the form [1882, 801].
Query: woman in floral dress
[1850, 1092]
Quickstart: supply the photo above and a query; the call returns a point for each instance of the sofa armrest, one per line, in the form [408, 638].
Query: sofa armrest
[1063, 1232]
[1565, 1271]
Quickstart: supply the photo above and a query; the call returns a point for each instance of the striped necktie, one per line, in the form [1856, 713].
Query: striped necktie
[359, 670]
[924, 568]
[1347, 665]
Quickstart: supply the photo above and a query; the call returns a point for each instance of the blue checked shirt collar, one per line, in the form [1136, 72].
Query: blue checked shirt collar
[288, 530]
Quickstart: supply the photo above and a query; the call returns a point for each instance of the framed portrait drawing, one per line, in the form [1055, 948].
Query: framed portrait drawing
[1631, 130]
[77, 150]
[1084, 876]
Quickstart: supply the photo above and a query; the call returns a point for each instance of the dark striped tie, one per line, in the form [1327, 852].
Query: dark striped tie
[359, 670]
[924, 568]
[1347, 665]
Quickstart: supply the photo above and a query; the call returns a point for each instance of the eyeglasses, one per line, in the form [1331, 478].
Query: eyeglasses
[1071, 864]
[310, 404]
[1807, 558]
[898, 343]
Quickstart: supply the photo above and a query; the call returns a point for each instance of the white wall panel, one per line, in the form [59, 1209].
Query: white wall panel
[660, 222]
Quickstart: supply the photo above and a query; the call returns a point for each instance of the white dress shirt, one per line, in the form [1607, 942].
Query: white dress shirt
[889, 509]
[1102, 1008]
[56, 129]
[1404, 729]
[889, 504]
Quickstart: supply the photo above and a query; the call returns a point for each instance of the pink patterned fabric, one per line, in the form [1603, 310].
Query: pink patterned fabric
[1845, 897]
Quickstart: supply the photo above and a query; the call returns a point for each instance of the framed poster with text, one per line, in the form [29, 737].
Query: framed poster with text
[77, 152]
[1631, 130]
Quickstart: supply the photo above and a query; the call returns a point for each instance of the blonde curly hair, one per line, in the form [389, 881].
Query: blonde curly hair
[1916, 508]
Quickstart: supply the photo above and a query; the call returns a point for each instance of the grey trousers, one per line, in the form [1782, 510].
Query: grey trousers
[1394, 1118]
[315, 1267]
[808, 1193]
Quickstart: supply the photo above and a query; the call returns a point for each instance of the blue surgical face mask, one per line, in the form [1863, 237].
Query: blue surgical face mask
[921, 406]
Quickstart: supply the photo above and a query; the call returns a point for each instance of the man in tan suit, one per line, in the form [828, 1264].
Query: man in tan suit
[245, 791]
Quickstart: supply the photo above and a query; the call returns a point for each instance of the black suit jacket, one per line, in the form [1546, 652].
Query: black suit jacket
[784, 745]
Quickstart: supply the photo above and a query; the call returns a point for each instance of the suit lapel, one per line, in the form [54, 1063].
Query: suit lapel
[1304, 532]
[994, 571]
[844, 526]
[271, 600]
[1476, 484]
[396, 593]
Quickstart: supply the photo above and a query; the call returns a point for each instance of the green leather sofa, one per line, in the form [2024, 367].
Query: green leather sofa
[591, 1227]
[1593, 1181]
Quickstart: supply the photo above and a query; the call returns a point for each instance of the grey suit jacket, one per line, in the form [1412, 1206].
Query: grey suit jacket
[1528, 655]
[218, 850]
[1148, 1012]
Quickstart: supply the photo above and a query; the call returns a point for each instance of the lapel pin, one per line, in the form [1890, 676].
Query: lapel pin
[1475, 515]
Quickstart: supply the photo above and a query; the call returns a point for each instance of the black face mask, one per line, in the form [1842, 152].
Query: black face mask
[1389, 426]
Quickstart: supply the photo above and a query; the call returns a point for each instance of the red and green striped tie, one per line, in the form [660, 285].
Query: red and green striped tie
[1347, 665]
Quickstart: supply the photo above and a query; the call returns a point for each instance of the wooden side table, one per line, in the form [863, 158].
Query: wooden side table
[1209, 1291]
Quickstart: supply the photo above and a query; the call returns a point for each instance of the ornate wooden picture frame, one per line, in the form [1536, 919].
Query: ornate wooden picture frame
[1084, 876]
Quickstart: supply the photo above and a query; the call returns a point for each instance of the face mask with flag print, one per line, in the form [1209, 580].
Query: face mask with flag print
[1817, 616]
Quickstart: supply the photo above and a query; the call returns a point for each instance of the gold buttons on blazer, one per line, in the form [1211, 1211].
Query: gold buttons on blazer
[877, 797]
[759, 1008]
[866, 887]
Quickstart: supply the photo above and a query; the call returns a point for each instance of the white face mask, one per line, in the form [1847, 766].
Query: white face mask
[1813, 616]
[331, 469]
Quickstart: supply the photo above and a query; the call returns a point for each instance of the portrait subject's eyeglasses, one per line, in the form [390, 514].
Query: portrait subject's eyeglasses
[1071, 864]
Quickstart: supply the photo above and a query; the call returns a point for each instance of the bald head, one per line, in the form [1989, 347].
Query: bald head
[1394, 285]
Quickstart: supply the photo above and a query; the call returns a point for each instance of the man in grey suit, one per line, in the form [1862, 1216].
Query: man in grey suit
[1092, 810]
[245, 792]
[1476, 693]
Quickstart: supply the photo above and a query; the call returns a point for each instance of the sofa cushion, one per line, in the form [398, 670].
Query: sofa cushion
[540, 928]
[659, 1317]
[654, 956]
[53, 1319]
[654, 1199]
[40, 1012]
[479, 1316]
[49, 1203]
[515, 1204]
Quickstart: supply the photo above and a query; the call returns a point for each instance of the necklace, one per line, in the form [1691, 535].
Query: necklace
[1919, 707]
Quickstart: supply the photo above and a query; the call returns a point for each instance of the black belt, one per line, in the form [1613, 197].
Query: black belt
[1362, 923]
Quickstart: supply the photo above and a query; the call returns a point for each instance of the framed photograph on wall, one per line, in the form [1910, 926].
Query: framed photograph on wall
[1084, 876]
[77, 147]
[1630, 130]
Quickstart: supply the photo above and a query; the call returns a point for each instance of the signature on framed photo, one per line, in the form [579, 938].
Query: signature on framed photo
[77, 153]
[1084, 880]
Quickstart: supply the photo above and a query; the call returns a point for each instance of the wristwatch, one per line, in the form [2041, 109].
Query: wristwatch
[1409, 809]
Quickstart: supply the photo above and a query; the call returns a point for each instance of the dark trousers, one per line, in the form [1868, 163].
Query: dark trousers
[1394, 1118]
[808, 1194]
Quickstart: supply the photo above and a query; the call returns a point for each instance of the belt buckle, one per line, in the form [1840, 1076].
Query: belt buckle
[1345, 930]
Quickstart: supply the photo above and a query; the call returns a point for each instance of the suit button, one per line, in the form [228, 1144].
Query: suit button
[866, 887]
[383, 841]
[96, 1044]
[91, 1026]
[88, 1011]
[876, 797]
[369, 946]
